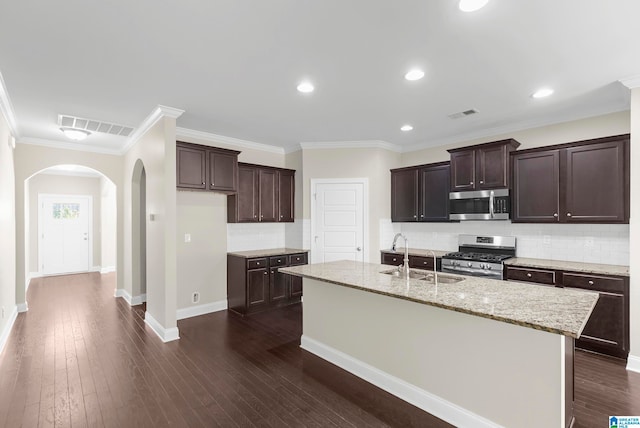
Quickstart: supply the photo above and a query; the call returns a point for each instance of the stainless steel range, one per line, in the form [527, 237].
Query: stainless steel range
[480, 255]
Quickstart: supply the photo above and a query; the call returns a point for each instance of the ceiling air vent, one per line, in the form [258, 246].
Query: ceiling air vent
[93, 125]
[463, 114]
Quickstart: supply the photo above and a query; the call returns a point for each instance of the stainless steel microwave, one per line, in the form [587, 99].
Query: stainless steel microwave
[480, 205]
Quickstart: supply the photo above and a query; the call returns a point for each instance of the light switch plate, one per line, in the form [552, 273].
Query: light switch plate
[187, 237]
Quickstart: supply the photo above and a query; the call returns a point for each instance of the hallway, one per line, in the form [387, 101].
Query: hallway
[79, 357]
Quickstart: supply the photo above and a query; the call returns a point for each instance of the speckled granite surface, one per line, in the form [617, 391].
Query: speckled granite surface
[544, 308]
[572, 266]
[416, 252]
[267, 253]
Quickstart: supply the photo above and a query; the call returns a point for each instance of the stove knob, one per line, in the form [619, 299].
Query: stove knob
[489, 267]
[469, 264]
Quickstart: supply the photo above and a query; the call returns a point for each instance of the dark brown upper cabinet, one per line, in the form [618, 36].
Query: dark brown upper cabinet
[265, 194]
[206, 168]
[484, 166]
[420, 193]
[581, 182]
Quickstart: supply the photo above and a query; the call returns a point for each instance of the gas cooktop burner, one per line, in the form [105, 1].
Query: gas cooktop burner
[480, 257]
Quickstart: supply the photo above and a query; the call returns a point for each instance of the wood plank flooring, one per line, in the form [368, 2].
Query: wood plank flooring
[81, 358]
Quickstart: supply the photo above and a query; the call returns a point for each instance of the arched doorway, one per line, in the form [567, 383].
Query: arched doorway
[139, 234]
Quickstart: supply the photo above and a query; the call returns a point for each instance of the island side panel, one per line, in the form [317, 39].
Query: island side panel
[468, 370]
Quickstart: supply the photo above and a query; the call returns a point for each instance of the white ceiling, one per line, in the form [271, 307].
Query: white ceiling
[233, 66]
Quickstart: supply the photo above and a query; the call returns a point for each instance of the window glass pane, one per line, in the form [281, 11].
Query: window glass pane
[66, 211]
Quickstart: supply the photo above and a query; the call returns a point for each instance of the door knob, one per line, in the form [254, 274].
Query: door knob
[568, 214]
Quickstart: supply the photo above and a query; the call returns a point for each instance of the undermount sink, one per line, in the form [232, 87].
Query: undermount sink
[425, 276]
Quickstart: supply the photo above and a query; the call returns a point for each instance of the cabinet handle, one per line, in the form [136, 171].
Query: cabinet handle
[257, 263]
[425, 263]
[265, 272]
[278, 260]
[528, 275]
[203, 183]
[212, 183]
[568, 214]
[481, 182]
[555, 214]
[281, 216]
[590, 282]
[421, 215]
[471, 182]
[415, 216]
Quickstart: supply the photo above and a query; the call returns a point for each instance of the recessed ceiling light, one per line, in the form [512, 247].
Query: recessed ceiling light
[543, 92]
[472, 5]
[414, 75]
[75, 134]
[406, 128]
[305, 87]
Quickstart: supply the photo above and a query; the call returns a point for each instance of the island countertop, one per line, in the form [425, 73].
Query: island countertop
[556, 310]
[267, 253]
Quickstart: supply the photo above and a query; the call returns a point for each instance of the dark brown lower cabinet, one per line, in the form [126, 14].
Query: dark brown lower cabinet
[607, 330]
[255, 284]
[415, 262]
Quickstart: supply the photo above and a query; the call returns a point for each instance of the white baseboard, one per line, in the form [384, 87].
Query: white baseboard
[418, 397]
[138, 300]
[107, 269]
[131, 300]
[6, 331]
[23, 307]
[95, 269]
[119, 292]
[195, 311]
[165, 334]
[633, 363]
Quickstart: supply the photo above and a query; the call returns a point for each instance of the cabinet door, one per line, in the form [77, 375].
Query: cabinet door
[404, 195]
[595, 183]
[257, 287]
[223, 171]
[491, 163]
[434, 193]
[392, 259]
[279, 286]
[286, 191]
[421, 262]
[463, 170]
[296, 286]
[191, 169]
[268, 195]
[247, 197]
[536, 187]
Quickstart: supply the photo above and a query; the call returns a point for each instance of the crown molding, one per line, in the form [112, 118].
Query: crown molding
[515, 127]
[65, 145]
[158, 113]
[236, 142]
[631, 82]
[6, 108]
[362, 144]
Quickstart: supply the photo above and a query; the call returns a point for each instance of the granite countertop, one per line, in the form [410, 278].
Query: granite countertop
[569, 266]
[267, 253]
[551, 309]
[417, 252]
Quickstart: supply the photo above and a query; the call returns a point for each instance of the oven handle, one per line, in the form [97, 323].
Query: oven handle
[491, 201]
[471, 271]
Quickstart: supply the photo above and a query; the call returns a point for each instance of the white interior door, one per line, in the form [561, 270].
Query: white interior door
[64, 233]
[338, 221]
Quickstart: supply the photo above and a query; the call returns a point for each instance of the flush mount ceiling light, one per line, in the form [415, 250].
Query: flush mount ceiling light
[406, 128]
[472, 5]
[305, 87]
[414, 74]
[75, 134]
[541, 93]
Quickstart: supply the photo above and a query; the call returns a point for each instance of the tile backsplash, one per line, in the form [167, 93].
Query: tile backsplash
[261, 236]
[589, 243]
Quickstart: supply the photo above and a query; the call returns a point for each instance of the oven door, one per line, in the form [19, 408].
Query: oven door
[479, 205]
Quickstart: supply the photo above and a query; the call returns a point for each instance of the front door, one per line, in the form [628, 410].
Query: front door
[64, 233]
[338, 221]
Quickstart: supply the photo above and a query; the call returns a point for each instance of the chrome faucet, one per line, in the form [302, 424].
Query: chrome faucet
[405, 266]
[435, 274]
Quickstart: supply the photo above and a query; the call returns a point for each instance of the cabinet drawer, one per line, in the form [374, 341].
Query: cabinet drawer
[278, 261]
[594, 282]
[419, 262]
[256, 263]
[298, 259]
[392, 259]
[539, 276]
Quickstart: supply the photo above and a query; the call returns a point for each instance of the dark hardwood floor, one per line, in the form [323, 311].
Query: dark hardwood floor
[80, 357]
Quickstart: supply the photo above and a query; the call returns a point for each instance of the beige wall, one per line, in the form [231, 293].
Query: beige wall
[30, 160]
[370, 163]
[584, 129]
[63, 185]
[108, 230]
[634, 233]
[8, 227]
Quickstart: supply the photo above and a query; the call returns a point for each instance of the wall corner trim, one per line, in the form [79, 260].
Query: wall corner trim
[6, 108]
[23, 307]
[633, 363]
[363, 144]
[158, 113]
[165, 334]
[631, 82]
[418, 397]
[4, 335]
[184, 133]
[196, 311]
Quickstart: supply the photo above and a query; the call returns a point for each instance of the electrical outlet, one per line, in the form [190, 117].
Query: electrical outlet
[187, 237]
[196, 297]
[588, 241]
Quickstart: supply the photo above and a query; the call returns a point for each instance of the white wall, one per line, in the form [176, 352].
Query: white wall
[8, 228]
[63, 185]
[108, 227]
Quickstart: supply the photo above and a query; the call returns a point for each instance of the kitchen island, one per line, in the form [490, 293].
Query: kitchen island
[477, 353]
